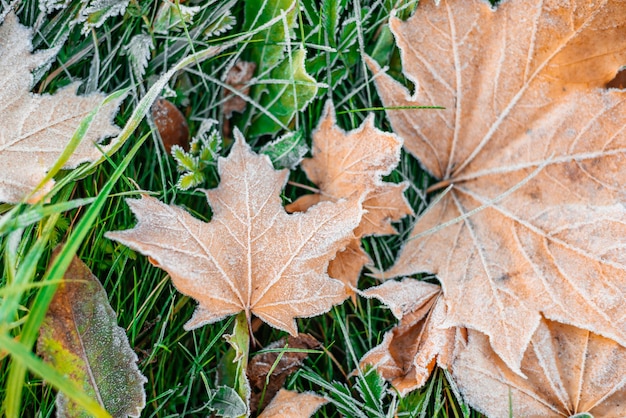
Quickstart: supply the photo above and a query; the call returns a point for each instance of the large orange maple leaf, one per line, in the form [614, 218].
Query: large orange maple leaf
[533, 149]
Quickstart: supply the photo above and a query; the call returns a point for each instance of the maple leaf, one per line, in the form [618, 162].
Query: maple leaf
[348, 164]
[289, 404]
[252, 256]
[569, 371]
[533, 149]
[409, 352]
[35, 129]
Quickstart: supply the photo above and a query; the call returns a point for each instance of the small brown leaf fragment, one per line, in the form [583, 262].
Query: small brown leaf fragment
[36, 129]
[347, 265]
[171, 124]
[237, 78]
[80, 338]
[619, 82]
[533, 147]
[261, 364]
[252, 256]
[351, 164]
[288, 404]
[409, 352]
[568, 371]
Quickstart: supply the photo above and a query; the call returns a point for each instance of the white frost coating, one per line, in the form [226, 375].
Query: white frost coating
[49, 6]
[138, 50]
[109, 7]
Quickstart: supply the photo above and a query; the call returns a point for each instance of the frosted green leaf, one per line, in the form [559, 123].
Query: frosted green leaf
[266, 48]
[227, 403]
[173, 17]
[138, 51]
[49, 6]
[80, 338]
[222, 24]
[286, 151]
[289, 90]
[189, 180]
[97, 11]
[184, 161]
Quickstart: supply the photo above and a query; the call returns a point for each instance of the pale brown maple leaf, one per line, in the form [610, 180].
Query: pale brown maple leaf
[569, 371]
[35, 129]
[409, 352]
[252, 256]
[289, 404]
[533, 149]
[351, 164]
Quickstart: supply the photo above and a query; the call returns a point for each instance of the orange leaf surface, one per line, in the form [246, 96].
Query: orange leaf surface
[252, 256]
[570, 371]
[349, 164]
[35, 129]
[533, 148]
[288, 404]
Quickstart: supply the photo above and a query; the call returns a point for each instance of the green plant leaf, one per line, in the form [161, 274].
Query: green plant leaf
[291, 89]
[371, 386]
[266, 48]
[286, 151]
[226, 402]
[172, 17]
[81, 339]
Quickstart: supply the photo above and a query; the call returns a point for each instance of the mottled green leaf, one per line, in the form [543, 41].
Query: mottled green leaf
[81, 339]
[226, 402]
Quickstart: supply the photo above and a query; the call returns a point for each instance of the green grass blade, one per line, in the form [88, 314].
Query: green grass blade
[55, 272]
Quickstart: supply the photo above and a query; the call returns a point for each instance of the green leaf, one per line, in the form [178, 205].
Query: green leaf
[234, 364]
[172, 17]
[97, 11]
[226, 402]
[266, 47]
[189, 180]
[184, 161]
[371, 386]
[81, 339]
[222, 24]
[290, 91]
[287, 151]
[331, 13]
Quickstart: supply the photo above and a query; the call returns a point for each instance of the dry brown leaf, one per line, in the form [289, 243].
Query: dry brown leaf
[35, 129]
[348, 164]
[532, 143]
[288, 404]
[260, 366]
[171, 123]
[238, 78]
[252, 256]
[409, 352]
[570, 371]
